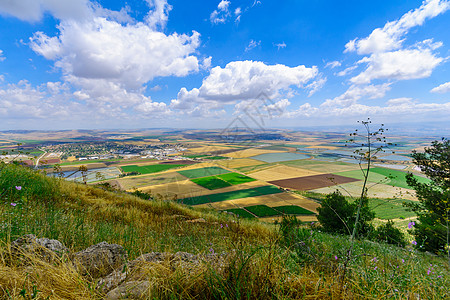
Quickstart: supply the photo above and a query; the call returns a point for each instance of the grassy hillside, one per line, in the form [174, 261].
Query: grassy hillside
[260, 262]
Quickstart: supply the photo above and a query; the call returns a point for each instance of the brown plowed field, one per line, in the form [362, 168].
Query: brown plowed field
[312, 182]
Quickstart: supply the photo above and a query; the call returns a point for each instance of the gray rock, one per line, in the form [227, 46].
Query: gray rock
[100, 259]
[45, 248]
[129, 290]
[135, 269]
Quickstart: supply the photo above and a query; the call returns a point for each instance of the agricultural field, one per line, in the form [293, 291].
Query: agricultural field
[203, 172]
[239, 163]
[279, 172]
[131, 182]
[148, 169]
[278, 157]
[263, 190]
[321, 166]
[262, 211]
[235, 178]
[375, 190]
[249, 153]
[312, 182]
[211, 182]
[386, 176]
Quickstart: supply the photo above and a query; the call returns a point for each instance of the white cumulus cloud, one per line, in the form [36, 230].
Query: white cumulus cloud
[245, 80]
[400, 65]
[441, 89]
[391, 36]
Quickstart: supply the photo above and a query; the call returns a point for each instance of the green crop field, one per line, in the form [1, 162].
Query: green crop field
[203, 172]
[221, 181]
[387, 209]
[395, 177]
[211, 182]
[262, 211]
[216, 157]
[259, 191]
[293, 210]
[241, 213]
[149, 169]
[235, 178]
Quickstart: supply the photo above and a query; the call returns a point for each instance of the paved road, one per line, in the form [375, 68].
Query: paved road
[37, 161]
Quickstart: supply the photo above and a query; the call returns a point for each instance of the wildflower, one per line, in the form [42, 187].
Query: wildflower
[226, 225]
[211, 250]
[428, 272]
[374, 259]
[13, 204]
[414, 243]
[403, 261]
[375, 268]
[411, 224]
[439, 276]
[335, 257]
[18, 187]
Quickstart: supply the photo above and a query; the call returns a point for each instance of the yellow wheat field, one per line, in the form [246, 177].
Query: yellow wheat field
[239, 163]
[279, 172]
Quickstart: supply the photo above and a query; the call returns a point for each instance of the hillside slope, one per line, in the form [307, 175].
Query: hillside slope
[258, 261]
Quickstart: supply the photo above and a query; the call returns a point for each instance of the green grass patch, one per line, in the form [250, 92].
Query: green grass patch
[293, 210]
[263, 211]
[211, 182]
[203, 172]
[241, 213]
[259, 191]
[235, 178]
[149, 169]
[387, 209]
[83, 162]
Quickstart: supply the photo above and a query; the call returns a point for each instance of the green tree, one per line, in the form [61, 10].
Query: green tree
[389, 234]
[433, 209]
[338, 215]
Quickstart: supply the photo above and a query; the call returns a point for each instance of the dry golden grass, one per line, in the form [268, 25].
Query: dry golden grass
[40, 279]
[250, 152]
[239, 163]
[279, 172]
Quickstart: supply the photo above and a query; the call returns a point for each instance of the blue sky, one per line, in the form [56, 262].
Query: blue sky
[201, 64]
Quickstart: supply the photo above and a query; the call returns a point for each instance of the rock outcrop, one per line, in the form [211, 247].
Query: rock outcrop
[45, 248]
[100, 259]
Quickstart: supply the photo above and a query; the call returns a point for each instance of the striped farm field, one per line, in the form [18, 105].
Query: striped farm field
[321, 166]
[263, 190]
[149, 168]
[148, 180]
[250, 152]
[203, 172]
[312, 182]
[176, 190]
[279, 172]
[239, 163]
